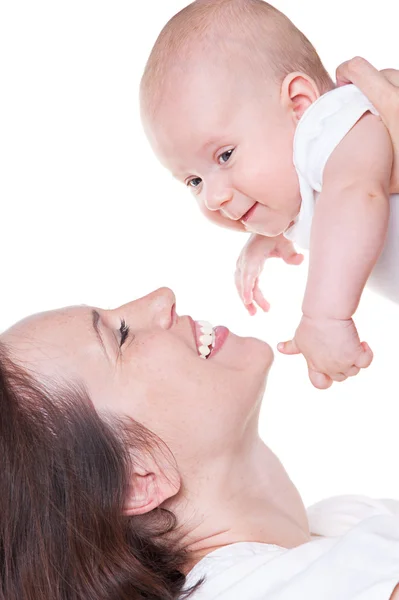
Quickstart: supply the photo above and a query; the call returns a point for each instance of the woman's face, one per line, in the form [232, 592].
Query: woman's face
[142, 360]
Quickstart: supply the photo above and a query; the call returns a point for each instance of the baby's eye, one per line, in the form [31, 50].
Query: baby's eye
[124, 331]
[194, 182]
[225, 156]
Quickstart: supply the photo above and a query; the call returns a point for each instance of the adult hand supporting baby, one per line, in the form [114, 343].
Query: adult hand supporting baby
[382, 89]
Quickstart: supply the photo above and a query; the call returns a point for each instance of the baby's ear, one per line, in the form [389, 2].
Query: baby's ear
[298, 92]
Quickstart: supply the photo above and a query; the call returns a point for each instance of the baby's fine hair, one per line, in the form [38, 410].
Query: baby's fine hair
[250, 32]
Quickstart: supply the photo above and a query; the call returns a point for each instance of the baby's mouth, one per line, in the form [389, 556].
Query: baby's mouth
[248, 214]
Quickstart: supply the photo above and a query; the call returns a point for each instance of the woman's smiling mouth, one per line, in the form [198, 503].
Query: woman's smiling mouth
[205, 338]
[209, 340]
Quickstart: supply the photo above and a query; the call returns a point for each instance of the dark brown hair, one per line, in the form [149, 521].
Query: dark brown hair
[63, 478]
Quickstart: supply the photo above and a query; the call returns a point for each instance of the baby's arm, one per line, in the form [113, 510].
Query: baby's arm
[350, 221]
[348, 234]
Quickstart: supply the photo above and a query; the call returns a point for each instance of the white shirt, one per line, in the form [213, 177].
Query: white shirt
[354, 555]
[322, 127]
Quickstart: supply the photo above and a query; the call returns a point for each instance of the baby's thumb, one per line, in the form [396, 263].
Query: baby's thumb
[294, 259]
[289, 254]
[288, 347]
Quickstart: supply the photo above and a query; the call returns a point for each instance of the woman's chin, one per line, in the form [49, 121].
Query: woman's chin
[265, 355]
[246, 353]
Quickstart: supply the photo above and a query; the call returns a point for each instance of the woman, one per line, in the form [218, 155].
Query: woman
[138, 362]
[129, 461]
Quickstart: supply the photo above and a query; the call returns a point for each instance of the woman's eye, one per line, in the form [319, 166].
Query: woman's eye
[225, 156]
[194, 182]
[124, 331]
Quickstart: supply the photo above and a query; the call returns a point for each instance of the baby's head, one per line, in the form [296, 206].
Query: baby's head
[223, 90]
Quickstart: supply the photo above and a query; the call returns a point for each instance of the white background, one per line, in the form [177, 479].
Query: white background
[88, 216]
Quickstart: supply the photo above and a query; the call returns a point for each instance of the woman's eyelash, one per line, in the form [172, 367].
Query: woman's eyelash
[124, 331]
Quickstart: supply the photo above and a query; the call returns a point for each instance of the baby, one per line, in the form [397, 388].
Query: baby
[238, 106]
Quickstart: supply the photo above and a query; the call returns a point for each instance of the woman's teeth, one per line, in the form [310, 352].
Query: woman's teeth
[206, 338]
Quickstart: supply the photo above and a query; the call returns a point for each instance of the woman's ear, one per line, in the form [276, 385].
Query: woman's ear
[298, 92]
[152, 482]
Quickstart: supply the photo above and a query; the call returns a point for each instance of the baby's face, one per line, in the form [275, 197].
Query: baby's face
[231, 144]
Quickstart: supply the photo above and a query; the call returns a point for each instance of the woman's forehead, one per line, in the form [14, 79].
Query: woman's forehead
[53, 328]
[59, 343]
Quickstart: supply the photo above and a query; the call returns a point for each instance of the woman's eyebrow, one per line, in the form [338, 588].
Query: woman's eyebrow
[95, 320]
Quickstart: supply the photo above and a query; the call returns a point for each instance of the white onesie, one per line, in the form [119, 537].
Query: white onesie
[320, 130]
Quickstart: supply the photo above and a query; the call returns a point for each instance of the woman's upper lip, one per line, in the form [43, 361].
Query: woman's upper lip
[193, 328]
[174, 314]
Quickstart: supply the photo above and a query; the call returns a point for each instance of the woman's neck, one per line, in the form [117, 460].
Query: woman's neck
[247, 498]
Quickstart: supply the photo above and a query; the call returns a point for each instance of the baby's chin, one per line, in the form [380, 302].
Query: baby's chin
[267, 221]
[266, 230]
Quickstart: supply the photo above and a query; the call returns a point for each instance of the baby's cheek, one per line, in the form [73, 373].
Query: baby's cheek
[217, 218]
[208, 214]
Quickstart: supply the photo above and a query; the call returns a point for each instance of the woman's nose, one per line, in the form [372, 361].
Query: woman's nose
[156, 309]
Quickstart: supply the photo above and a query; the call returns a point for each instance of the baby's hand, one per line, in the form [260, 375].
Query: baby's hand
[331, 347]
[250, 265]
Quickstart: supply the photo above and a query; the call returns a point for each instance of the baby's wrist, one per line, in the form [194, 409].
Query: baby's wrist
[323, 317]
[324, 309]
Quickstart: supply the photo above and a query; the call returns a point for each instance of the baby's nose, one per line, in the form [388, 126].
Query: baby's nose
[215, 199]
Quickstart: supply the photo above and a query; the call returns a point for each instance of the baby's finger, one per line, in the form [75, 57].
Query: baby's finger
[248, 293]
[288, 348]
[239, 285]
[259, 298]
[249, 280]
[339, 377]
[238, 280]
[365, 359]
[320, 380]
[353, 371]
[295, 259]
[251, 308]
